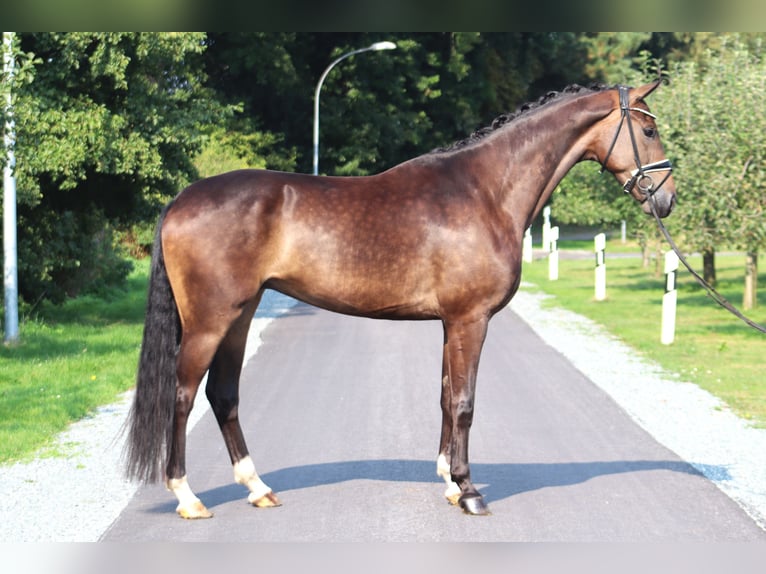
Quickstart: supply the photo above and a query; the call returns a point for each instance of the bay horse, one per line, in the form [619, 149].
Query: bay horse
[436, 237]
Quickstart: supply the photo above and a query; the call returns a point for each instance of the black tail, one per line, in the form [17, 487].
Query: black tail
[150, 423]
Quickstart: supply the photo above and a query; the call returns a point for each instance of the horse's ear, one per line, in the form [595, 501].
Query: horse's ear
[643, 91]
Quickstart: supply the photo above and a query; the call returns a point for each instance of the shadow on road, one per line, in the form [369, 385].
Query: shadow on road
[496, 481]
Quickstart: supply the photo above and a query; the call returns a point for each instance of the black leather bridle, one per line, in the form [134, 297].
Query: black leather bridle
[641, 175]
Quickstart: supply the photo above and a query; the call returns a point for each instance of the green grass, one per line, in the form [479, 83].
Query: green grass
[70, 360]
[712, 348]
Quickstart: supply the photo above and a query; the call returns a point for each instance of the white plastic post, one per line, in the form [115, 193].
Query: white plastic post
[547, 228]
[526, 246]
[553, 256]
[600, 247]
[669, 299]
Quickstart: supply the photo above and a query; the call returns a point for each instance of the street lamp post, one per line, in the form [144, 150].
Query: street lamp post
[374, 47]
[10, 256]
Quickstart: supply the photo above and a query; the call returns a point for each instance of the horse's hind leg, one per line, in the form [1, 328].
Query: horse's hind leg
[202, 341]
[223, 393]
[194, 356]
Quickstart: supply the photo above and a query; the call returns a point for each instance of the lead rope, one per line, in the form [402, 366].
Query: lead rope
[712, 293]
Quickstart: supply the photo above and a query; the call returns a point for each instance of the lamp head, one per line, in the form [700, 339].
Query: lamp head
[383, 46]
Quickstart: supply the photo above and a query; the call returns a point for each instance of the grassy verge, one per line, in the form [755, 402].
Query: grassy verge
[712, 348]
[71, 359]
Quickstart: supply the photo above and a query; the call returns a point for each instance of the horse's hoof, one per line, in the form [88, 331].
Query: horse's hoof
[453, 499]
[474, 505]
[268, 500]
[194, 511]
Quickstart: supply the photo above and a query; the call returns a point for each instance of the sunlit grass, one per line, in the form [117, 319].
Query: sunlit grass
[70, 360]
[712, 348]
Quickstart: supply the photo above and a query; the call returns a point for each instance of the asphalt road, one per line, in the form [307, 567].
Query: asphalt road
[342, 418]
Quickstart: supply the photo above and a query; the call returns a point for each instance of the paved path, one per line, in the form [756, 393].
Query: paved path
[342, 417]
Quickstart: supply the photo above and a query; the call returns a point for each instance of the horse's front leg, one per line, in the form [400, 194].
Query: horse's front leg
[464, 341]
[452, 493]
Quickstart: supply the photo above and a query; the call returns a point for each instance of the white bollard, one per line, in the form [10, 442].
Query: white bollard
[526, 246]
[547, 228]
[600, 247]
[553, 256]
[623, 232]
[669, 299]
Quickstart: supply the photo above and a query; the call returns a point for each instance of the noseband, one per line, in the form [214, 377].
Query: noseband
[641, 175]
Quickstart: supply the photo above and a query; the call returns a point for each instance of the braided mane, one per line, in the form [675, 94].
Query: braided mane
[524, 109]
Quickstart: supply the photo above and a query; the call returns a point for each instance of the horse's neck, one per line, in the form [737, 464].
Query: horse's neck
[538, 153]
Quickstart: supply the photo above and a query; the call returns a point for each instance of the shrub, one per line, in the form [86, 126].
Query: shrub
[66, 254]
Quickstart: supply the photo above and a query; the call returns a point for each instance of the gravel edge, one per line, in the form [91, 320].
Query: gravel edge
[76, 497]
[688, 420]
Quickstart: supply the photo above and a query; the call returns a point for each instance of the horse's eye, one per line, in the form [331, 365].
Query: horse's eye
[650, 132]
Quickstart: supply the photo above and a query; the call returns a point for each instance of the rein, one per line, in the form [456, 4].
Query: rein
[715, 295]
[640, 176]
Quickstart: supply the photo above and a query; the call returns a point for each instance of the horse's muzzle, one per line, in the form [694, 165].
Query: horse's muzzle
[663, 200]
[641, 179]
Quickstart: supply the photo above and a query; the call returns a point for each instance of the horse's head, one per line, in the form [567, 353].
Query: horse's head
[630, 148]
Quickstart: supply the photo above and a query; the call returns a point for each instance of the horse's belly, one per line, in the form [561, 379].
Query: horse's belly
[367, 295]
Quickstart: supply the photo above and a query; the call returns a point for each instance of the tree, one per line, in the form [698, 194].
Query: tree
[748, 160]
[374, 106]
[611, 54]
[714, 106]
[692, 109]
[106, 132]
[379, 109]
[115, 124]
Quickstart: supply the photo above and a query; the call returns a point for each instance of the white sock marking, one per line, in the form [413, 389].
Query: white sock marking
[180, 487]
[244, 473]
[443, 470]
